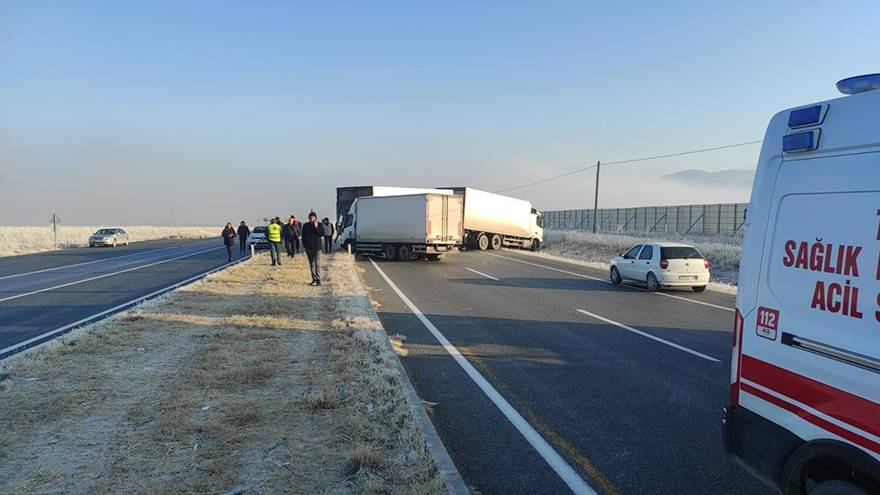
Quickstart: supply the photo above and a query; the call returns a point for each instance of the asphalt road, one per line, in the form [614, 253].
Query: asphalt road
[632, 409]
[43, 292]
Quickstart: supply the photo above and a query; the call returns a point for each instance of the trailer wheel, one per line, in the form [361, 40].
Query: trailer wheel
[404, 253]
[390, 252]
[496, 241]
[483, 242]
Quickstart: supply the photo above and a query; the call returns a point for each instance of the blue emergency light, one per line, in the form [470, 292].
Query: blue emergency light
[807, 116]
[859, 84]
[801, 141]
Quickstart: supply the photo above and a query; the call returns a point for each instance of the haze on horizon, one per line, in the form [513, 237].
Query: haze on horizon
[202, 112]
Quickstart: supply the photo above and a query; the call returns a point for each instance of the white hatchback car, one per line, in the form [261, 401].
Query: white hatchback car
[662, 264]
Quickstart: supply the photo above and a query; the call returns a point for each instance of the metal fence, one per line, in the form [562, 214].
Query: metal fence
[715, 219]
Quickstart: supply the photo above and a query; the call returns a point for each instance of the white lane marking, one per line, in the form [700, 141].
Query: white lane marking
[481, 274]
[90, 262]
[114, 309]
[652, 337]
[556, 462]
[685, 299]
[47, 289]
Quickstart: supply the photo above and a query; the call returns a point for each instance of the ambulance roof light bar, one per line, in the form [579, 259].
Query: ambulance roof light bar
[859, 84]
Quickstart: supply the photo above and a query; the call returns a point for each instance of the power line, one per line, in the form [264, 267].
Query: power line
[632, 160]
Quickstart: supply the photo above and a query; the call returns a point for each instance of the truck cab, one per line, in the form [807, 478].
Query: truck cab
[804, 408]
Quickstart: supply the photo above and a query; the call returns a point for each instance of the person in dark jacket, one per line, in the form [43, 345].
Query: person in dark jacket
[312, 236]
[328, 229]
[288, 235]
[228, 235]
[243, 233]
[297, 234]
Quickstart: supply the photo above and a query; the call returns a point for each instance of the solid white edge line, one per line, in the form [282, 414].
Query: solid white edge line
[47, 289]
[116, 308]
[648, 335]
[703, 303]
[553, 459]
[481, 274]
[15, 275]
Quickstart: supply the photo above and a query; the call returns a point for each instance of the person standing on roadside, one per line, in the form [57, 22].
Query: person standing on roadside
[288, 235]
[243, 233]
[328, 230]
[228, 239]
[312, 235]
[273, 236]
[297, 234]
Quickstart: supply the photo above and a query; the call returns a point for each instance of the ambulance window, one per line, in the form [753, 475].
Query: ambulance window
[647, 253]
[632, 253]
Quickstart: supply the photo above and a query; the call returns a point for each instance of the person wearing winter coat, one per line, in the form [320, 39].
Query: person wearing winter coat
[328, 230]
[312, 235]
[288, 234]
[228, 235]
[243, 233]
[297, 234]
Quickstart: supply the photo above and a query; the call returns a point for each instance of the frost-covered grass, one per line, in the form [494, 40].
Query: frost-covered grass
[23, 240]
[723, 252]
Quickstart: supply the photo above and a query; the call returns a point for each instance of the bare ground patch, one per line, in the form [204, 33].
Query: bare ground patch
[249, 379]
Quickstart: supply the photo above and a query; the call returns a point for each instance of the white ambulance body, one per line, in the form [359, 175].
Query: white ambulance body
[804, 413]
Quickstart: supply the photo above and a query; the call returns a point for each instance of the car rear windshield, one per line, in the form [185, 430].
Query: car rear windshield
[259, 230]
[680, 253]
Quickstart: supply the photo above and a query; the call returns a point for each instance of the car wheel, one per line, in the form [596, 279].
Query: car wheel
[652, 283]
[404, 253]
[390, 252]
[837, 487]
[616, 279]
[496, 242]
[699, 288]
[483, 242]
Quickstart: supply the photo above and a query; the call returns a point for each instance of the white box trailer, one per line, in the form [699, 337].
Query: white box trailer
[345, 196]
[804, 411]
[494, 220]
[405, 227]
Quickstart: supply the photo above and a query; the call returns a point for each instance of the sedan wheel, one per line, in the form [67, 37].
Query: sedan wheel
[616, 279]
[652, 283]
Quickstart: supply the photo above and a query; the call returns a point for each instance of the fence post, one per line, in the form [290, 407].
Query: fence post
[596, 197]
[719, 218]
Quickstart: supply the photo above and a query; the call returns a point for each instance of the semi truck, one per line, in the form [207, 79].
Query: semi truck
[345, 196]
[405, 227]
[493, 221]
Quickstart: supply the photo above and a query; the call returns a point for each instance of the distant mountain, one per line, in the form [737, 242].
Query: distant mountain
[734, 177]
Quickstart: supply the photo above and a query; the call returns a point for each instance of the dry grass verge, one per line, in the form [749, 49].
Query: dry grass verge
[250, 379]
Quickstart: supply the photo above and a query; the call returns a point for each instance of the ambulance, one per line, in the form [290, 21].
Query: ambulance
[804, 407]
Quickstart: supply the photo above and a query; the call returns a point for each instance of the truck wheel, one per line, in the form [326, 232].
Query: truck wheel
[404, 253]
[535, 245]
[837, 487]
[496, 242]
[390, 252]
[483, 242]
[651, 283]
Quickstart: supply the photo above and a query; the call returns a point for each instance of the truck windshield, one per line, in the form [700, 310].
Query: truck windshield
[680, 253]
[540, 221]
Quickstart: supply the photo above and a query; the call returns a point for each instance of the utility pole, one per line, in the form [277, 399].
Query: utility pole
[56, 224]
[596, 197]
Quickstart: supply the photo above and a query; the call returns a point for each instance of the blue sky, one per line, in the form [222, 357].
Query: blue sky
[203, 112]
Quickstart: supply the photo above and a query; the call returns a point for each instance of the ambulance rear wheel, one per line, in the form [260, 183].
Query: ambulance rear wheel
[699, 288]
[837, 487]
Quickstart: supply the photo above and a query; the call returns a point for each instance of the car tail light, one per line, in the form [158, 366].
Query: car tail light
[664, 264]
[706, 265]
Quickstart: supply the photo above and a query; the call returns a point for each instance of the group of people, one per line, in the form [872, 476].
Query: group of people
[314, 236]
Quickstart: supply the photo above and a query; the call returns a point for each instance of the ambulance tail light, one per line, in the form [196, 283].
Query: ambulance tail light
[736, 357]
[664, 264]
[707, 265]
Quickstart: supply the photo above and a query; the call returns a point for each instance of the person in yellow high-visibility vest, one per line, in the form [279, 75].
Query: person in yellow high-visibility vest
[273, 235]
